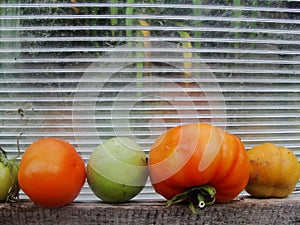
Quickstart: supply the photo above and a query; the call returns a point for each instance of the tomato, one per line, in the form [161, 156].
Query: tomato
[9, 187]
[51, 172]
[117, 170]
[189, 161]
[274, 171]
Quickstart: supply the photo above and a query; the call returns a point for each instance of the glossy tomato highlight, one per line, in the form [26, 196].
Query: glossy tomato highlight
[51, 172]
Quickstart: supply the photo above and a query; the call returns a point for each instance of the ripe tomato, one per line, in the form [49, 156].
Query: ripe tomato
[193, 160]
[274, 171]
[51, 172]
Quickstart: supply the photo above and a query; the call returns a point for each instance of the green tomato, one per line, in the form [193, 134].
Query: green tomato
[117, 170]
[9, 187]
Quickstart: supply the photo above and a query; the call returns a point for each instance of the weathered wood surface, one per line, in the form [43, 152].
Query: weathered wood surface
[240, 211]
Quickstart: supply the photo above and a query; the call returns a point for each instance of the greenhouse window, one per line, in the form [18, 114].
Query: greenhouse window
[86, 71]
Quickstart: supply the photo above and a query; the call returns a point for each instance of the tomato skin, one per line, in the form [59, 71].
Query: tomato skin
[51, 172]
[197, 154]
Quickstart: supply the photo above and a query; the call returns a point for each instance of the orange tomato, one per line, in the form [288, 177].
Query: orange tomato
[198, 155]
[51, 172]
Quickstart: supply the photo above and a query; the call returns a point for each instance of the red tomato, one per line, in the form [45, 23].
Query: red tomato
[51, 172]
[198, 155]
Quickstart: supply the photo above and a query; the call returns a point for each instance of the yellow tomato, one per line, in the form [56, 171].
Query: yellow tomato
[274, 171]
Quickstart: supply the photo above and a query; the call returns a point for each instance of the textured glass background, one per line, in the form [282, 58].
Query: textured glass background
[86, 71]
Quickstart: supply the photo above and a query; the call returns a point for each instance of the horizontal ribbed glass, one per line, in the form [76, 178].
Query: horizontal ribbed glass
[87, 71]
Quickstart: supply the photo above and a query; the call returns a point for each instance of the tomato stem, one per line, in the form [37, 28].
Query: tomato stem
[3, 155]
[201, 196]
[18, 146]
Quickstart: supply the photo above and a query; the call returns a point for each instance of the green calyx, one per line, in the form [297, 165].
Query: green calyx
[198, 198]
[3, 157]
[3, 153]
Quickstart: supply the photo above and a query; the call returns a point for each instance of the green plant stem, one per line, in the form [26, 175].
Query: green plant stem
[18, 146]
[187, 55]
[3, 153]
[128, 21]
[253, 25]
[113, 11]
[197, 23]
[13, 11]
[237, 24]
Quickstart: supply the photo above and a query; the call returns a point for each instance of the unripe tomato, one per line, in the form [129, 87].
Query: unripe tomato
[117, 170]
[274, 171]
[51, 172]
[9, 187]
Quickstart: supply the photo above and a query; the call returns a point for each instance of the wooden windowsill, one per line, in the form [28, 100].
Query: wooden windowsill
[245, 210]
